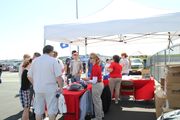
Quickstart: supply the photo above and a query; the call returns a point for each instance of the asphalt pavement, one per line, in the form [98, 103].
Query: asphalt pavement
[11, 109]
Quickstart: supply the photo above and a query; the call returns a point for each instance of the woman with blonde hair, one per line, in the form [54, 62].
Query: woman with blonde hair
[25, 90]
[97, 86]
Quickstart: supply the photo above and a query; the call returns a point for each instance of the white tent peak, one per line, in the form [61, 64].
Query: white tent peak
[124, 9]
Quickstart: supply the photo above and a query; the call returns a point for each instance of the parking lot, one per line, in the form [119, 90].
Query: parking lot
[9, 102]
[10, 106]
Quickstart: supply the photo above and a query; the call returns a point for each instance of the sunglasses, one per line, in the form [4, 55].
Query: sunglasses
[91, 58]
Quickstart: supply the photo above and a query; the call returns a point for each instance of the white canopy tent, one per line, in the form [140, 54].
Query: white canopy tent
[148, 31]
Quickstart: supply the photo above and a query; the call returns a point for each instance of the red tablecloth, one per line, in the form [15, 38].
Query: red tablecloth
[72, 99]
[144, 89]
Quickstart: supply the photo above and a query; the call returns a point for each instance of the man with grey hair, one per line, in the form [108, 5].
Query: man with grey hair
[45, 75]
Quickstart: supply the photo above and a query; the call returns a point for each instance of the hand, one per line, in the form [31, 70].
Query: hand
[85, 79]
[60, 90]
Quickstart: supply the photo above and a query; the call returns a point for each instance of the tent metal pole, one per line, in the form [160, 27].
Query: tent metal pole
[44, 39]
[77, 18]
[44, 42]
[86, 46]
[76, 9]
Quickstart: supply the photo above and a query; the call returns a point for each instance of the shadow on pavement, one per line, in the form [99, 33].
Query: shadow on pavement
[19, 115]
[116, 111]
[15, 117]
[141, 104]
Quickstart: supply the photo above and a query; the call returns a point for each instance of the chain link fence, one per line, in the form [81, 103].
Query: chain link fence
[158, 62]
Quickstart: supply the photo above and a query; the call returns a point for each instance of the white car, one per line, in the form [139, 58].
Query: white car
[136, 66]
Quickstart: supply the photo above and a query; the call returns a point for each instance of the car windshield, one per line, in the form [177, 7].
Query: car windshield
[136, 61]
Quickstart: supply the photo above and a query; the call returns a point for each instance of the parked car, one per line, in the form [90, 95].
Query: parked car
[136, 66]
[5, 67]
[14, 67]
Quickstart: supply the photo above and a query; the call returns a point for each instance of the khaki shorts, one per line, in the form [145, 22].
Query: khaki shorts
[46, 98]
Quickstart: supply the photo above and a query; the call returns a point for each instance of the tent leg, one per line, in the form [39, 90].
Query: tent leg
[85, 46]
[44, 42]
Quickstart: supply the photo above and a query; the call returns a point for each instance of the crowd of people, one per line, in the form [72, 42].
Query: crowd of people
[42, 76]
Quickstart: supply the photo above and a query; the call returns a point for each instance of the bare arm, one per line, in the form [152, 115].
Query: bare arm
[109, 69]
[30, 79]
[59, 80]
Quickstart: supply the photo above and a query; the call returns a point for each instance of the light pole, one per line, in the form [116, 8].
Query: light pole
[76, 9]
[77, 19]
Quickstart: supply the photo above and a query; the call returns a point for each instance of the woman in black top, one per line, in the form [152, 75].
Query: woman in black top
[25, 90]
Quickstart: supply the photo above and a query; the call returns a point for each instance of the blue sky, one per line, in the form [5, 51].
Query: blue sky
[22, 21]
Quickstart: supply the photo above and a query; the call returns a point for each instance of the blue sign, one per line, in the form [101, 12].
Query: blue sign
[64, 45]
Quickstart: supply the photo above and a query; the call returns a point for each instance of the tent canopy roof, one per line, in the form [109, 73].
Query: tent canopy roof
[70, 32]
[107, 28]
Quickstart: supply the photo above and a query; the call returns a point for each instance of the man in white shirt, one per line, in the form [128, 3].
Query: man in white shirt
[45, 75]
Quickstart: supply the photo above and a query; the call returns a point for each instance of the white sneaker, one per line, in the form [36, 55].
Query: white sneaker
[116, 102]
[46, 118]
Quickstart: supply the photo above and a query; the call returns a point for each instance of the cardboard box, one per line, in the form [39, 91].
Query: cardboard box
[159, 102]
[172, 74]
[173, 68]
[145, 73]
[165, 110]
[173, 89]
[160, 99]
[172, 79]
[174, 101]
[173, 95]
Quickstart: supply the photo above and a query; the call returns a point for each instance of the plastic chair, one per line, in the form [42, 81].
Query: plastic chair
[127, 88]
